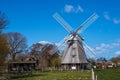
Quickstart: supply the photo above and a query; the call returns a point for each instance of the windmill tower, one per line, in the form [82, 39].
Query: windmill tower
[74, 56]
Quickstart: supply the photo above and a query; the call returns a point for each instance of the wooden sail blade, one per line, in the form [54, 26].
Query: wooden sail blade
[55, 48]
[86, 23]
[88, 48]
[63, 22]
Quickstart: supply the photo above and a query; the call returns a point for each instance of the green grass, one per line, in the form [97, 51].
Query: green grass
[108, 74]
[59, 75]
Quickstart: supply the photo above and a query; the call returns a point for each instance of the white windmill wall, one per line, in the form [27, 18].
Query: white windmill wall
[74, 54]
[81, 53]
[76, 51]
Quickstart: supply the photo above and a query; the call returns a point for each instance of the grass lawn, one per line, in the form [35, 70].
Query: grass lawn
[59, 75]
[108, 74]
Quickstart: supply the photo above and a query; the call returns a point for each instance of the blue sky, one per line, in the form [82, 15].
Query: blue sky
[33, 19]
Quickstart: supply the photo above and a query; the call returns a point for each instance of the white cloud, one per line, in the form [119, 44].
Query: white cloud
[117, 52]
[112, 19]
[69, 8]
[45, 42]
[106, 48]
[74, 9]
[106, 16]
[115, 44]
[102, 48]
[79, 8]
[116, 21]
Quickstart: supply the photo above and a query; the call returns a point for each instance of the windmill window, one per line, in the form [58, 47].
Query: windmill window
[68, 40]
[73, 56]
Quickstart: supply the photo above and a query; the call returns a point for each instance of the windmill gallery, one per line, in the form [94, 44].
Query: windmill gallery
[73, 57]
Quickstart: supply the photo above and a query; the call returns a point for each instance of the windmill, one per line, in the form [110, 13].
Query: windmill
[74, 56]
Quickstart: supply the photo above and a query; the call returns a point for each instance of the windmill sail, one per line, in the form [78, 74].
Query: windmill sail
[62, 22]
[74, 56]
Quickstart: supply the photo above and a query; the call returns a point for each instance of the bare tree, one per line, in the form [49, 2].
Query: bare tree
[116, 60]
[39, 51]
[36, 49]
[17, 44]
[3, 48]
[3, 39]
[45, 59]
[3, 21]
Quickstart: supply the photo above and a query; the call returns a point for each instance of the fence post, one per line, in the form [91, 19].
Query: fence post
[93, 75]
[96, 77]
